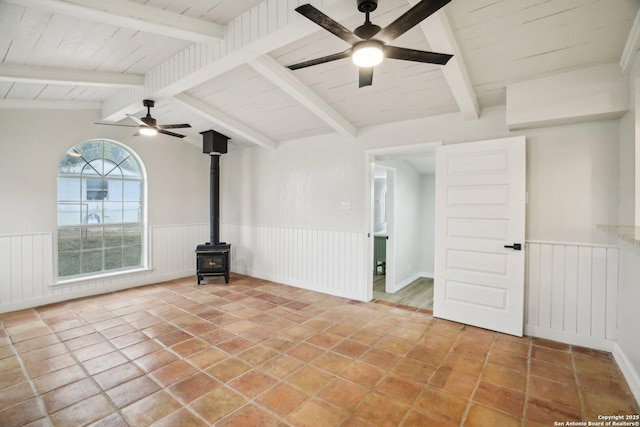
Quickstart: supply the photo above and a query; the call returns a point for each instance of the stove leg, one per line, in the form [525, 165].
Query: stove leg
[226, 278]
[199, 278]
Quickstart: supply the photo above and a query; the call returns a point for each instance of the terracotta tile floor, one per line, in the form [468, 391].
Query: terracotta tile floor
[257, 353]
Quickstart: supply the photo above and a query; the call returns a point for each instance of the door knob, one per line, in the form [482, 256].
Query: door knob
[515, 246]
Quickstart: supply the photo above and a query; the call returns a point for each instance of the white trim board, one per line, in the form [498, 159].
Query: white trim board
[630, 374]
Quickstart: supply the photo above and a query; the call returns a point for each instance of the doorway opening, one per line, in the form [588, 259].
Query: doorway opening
[401, 216]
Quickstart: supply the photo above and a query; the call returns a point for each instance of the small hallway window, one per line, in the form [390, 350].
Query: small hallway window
[100, 210]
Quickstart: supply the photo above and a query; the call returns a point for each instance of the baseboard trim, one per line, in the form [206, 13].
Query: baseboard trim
[410, 280]
[630, 374]
[569, 338]
[344, 293]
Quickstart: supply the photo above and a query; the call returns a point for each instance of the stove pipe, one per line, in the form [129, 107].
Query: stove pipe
[214, 144]
[214, 200]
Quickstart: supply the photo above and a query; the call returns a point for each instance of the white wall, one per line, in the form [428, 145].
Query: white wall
[428, 188]
[32, 143]
[627, 351]
[626, 170]
[315, 183]
[299, 185]
[572, 182]
[572, 176]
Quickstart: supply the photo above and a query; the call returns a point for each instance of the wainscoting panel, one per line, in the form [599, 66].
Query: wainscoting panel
[27, 274]
[327, 261]
[571, 289]
[173, 248]
[26, 266]
[571, 293]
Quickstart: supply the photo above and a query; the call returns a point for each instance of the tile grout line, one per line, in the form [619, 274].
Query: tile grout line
[25, 372]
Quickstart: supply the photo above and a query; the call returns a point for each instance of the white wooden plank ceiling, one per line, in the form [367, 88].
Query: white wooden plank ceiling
[60, 52]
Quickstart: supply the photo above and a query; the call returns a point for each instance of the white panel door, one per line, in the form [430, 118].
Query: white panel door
[480, 209]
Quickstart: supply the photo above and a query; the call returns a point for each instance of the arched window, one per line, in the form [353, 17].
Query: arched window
[100, 210]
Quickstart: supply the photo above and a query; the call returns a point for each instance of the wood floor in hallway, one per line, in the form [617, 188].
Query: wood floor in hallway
[418, 293]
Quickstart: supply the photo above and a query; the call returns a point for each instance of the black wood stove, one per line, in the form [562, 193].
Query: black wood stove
[212, 258]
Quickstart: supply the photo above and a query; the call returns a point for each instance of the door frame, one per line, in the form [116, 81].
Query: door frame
[370, 157]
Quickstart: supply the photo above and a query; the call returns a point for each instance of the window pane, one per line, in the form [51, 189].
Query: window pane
[92, 213]
[89, 170]
[69, 239]
[132, 256]
[112, 170]
[112, 236]
[97, 189]
[131, 169]
[114, 152]
[114, 189]
[91, 238]
[68, 189]
[69, 264]
[132, 235]
[113, 212]
[113, 259]
[69, 214]
[91, 150]
[91, 261]
[132, 191]
[132, 212]
[71, 165]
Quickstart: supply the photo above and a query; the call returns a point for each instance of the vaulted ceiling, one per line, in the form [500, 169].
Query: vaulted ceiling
[220, 64]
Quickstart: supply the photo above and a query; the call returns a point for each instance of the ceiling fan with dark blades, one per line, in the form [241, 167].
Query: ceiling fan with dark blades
[147, 125]
[369, 41]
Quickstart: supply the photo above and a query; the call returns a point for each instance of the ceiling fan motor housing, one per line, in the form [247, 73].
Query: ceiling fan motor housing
[148, 120]
[367, 5]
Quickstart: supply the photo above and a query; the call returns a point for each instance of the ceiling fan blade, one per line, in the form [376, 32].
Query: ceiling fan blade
[322, 60]
[115, 124]
[327, 23]
[394, 52]
[410, 19]
[166, 132]
[136, 119]
[365, 76]
[174, 126]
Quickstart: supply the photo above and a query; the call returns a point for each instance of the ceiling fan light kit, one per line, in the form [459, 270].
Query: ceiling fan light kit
[147, 131]
[367, 53]
[369, 42]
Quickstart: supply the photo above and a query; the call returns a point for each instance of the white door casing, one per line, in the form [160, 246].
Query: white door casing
[480, 208]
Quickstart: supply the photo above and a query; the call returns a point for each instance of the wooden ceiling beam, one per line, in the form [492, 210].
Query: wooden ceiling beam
[221, 119]
[61, 76]
[266, 27]
[631, 47]
[440, 37]
[17, 104]
[129, 14]
[284, 79]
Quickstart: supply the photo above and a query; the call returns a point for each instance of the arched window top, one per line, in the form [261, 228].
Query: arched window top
[102, 158]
